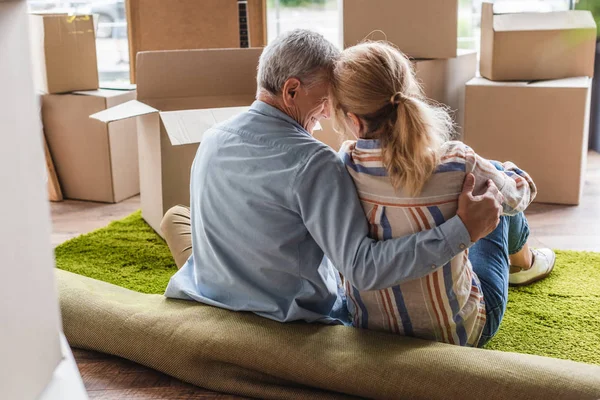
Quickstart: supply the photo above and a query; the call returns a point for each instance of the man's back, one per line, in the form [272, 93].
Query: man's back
[251, 249]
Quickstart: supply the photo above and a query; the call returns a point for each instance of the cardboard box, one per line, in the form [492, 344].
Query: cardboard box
[442, 80]
[181, 94]
[63, 50]
[537, 46]
[194, 24]
[540, 126]
[94, 161]
[421, 29]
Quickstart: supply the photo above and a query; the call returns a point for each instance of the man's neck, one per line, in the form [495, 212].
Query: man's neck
[277, 102]
[271, 100]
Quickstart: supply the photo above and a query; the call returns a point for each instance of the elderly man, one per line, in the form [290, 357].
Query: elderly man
[274, 212]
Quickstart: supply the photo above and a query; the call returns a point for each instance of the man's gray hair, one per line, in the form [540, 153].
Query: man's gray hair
[300, 54]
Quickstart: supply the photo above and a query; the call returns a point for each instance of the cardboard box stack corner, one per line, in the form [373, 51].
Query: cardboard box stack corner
[532, 104]
[425, 30]
[175, 105]
[92, 162]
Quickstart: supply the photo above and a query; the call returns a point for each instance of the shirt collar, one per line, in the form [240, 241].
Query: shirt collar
[263, 108]
[368, 144]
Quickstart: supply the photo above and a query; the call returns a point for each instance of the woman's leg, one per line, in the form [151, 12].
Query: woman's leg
[177, 230]
[521, 260]
[490, 259]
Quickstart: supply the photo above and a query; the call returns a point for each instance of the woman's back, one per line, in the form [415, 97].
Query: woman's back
[409, 176]
[446, 305]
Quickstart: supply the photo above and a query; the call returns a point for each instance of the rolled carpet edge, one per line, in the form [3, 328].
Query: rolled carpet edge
[243, 354]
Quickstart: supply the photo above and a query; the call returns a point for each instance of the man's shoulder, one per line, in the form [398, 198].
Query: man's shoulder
[255, 127]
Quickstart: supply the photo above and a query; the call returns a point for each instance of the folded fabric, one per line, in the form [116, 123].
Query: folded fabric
[244, 354]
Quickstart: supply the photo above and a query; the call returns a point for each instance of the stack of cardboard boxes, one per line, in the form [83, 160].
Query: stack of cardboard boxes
[180, 94]
[531, 105]
[426, 31]
[99, 162]
[92, 162]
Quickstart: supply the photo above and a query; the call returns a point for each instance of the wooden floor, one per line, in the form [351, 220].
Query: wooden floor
[111, 378]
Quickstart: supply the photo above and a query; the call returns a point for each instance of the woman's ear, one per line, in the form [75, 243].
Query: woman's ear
[356, 125]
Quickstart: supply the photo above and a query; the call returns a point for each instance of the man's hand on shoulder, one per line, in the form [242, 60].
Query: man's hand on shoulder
[480, 214]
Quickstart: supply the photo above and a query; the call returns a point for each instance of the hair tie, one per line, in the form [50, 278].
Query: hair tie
[398, 97]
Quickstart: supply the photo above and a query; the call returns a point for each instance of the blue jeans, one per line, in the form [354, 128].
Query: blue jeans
[489, 257]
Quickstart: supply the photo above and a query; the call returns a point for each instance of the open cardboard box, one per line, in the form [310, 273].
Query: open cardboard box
[442, 80]
[181, 94]
[541, 126]
[537, 46]
[94, 162]
[420, 28]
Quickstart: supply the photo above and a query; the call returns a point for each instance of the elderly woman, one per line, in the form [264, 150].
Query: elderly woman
[268, 202]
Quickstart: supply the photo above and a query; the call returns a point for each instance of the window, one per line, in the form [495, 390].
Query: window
[322, 16]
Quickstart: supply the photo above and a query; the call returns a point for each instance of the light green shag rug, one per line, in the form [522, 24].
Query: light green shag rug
[557, 317]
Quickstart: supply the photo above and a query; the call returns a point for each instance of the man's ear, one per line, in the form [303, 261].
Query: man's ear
[291, 87]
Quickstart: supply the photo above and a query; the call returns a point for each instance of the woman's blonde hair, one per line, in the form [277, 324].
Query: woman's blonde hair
[376, 82]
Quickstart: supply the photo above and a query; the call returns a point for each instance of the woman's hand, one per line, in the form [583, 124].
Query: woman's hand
[480, 214]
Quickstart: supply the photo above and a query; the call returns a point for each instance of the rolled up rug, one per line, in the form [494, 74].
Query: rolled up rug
[243, 354]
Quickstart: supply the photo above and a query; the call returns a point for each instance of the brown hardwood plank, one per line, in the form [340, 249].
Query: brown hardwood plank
[109, 377]
[89, 355]
[118, 374]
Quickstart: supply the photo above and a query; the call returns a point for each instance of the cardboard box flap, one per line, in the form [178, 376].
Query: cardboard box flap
[193, 73]
[130, 109]
[188, 126]
[549, 21]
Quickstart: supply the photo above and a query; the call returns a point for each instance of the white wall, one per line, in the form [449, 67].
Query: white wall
[29, 314]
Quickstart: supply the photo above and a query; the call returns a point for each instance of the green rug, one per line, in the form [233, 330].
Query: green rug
[557, 317]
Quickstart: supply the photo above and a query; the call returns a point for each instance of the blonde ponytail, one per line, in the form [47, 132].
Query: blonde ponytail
[411, 129]
[410, 146]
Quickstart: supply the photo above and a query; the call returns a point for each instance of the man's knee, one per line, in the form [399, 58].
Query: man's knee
[176, 229]
[175, 215]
